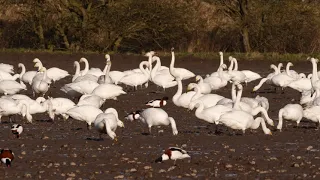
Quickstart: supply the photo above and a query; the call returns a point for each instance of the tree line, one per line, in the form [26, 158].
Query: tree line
[284, 26]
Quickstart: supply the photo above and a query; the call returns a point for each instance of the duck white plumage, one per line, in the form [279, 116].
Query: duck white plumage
[293, 112]
[173, 153]
[158, 102]
[16, 129]
[107, 123]
[157, 117]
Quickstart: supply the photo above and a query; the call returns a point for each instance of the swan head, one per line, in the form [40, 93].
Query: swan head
[155, 58]
[230, 58]
[221, 53]
[191, 86]
[107, 56]
[83, 59]
[223, 66]
[120, 123]
[172, 49]
[36, 60]
[289, 64]
[20, 65]
[76, 63]
[198, 78]
[150, 53]
[37, 65]
[280, 65]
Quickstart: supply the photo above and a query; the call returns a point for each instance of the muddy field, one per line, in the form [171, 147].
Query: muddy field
[67, 150]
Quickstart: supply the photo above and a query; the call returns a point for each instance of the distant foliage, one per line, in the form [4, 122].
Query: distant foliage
[290, 26]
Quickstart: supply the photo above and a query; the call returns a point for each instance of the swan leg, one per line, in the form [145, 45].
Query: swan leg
[150, 130]
[243, 131]
[88, 126]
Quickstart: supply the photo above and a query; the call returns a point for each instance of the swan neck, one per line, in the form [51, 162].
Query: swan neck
[315, 76]
[23, 70]
[288, 70]
[172, 60]
[235, 64]
[199, 109]
[178, 93]
[233, 93]
[263, 80]
[77, 68]
[231, 65]
[237, 103]
[156, 68]
[221, 59]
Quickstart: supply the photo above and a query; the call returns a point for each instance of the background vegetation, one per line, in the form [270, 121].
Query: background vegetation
[273, 26]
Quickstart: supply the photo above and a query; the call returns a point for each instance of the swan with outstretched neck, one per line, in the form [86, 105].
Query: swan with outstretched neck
[179, 72]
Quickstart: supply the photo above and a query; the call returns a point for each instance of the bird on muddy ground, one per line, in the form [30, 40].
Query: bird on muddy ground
[16, 129]
[6, 156]
[158, 102]
[173, 153]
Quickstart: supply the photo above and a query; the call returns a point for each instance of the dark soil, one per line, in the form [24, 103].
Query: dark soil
[66, 149]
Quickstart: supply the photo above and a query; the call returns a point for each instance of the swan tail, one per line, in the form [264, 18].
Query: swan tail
[173, 125]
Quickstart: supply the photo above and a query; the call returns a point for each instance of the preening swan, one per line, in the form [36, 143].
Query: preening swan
[107, 123]
[157, 117]
[40, 86]
[53, 73]
[293, 112]
[163, 79]
[179, 72]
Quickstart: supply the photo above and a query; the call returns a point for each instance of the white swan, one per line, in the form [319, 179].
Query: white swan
[106, 79]
[139, 78]
[157, 117]
[268, 78]
[211, 114]
[6, 68]
[26, 77]
[313, 114]
[238, 119]
[292, 112]
[183, 100]
[53, 73]
[9, 107]
[11, 87]
[82, 87]
[291, 73]
[40, 86]
[205, 87]
[116, 76]
[107, 123]
[301, 84]
[250, 75]
[7, 76]
[315, 78]
[93, 71]
[179, 72]
[208, 100]
[221, 62]
[108, 91]
[59, 106]
[84, 113]
[235, 74]
[220, 81]
[163, 79]
[92, 100]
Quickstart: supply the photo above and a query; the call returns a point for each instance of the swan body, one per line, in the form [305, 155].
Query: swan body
[107, 123]
[136, 79]
[211, 114]
[92, 100]
[205, 88]
[106, 79]
[93, 71]
[219, 81]
[26, 77]
[208, 100]
[40, 86]
[313, 114]
[250, 75]
[108, 91]
[59, 106]
[7, 76]
[11, 87]
[183, 100]
[82, 87]
[53, 73]
[163, 79]
[179, 72]
[302, 84]
[157, 117]
[84, 113]
[6, 68]
[10, 107]
[292, 112]
[268, 78]
[235, 75]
